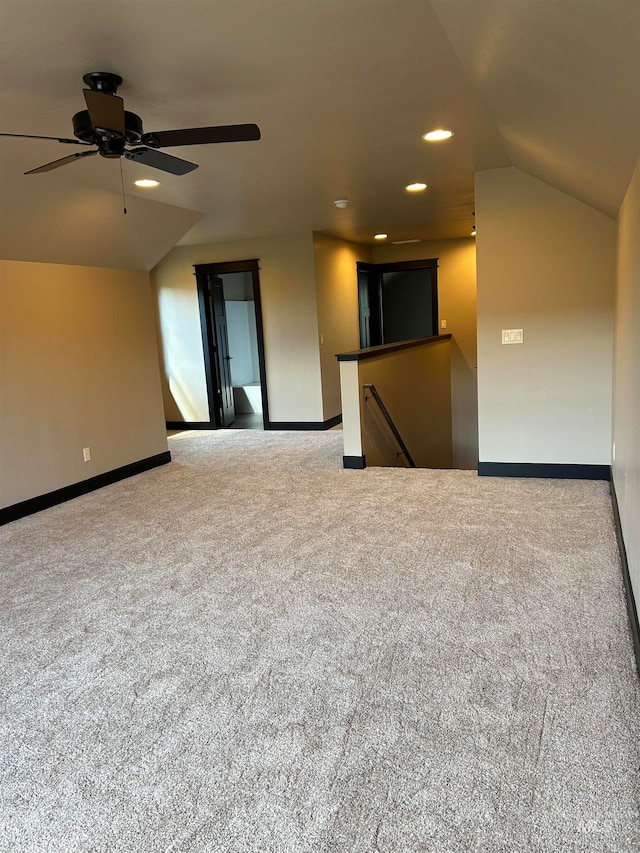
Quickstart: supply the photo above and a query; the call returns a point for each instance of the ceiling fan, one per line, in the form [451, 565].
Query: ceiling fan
[118, 133]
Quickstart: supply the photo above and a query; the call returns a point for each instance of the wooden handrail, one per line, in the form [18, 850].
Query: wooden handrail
[374, 393]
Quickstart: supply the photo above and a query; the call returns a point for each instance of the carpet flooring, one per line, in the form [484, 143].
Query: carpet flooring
[252, 650]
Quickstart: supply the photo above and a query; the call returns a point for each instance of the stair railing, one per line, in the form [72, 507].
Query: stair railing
[376, 396]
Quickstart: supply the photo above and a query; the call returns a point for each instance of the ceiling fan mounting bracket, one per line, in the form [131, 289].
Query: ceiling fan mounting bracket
[103, 81]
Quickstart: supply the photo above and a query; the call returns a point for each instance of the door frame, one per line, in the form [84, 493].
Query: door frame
[375, 272]
[207, 328]
[222, 360]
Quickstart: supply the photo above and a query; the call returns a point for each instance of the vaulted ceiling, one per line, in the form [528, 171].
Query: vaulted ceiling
[342, 91]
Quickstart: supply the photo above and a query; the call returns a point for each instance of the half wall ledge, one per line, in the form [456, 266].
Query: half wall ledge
[413, 379]
[387, 349]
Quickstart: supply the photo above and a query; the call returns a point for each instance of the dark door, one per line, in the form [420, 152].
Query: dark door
[397, 301]
[223, 359]
[409, 304]
[369, 295]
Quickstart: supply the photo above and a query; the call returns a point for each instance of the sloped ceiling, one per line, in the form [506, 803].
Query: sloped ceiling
[561, 81]
[342, 91]
[82, 223]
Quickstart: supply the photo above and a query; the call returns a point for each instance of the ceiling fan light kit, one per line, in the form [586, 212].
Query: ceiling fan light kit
[113, 131]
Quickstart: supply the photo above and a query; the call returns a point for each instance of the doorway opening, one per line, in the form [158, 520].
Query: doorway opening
[233, 345]
[397, 301]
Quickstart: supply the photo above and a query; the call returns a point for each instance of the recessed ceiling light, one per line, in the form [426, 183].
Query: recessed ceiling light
[147, 182]
[437, 135]
[380, 236]
[416, 188]
[473, 233]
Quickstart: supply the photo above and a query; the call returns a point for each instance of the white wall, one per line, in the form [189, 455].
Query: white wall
[626, 400]
[290, 323]
[545, 264]
[241, 319]
[78, 368]
[237, 286]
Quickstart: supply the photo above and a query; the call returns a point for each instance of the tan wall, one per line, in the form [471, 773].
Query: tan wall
[415, 387]
[626, 399]
[337, 302]
[292, 351]
[78, 368]
[456, 305]
[546, 265]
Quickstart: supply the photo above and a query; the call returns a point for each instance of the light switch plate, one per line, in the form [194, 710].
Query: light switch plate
[512, 336]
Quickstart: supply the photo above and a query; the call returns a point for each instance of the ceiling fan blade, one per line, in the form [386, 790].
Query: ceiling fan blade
[105, 111]
[202, 135]
[55, 164]
[160, 160]
[54, 138]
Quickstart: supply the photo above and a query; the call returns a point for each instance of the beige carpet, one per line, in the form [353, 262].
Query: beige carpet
[252, 650]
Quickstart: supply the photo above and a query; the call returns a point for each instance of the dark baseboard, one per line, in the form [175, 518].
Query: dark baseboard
[190, 425]
[357, 462]
[304, 425]
[631, 601]
[274, 425]
[544, 469]
[28, 507]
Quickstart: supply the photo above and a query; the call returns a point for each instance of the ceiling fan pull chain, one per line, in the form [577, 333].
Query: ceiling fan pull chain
[124, 202]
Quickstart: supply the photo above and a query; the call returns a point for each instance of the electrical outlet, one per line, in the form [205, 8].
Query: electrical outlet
[86, 454]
